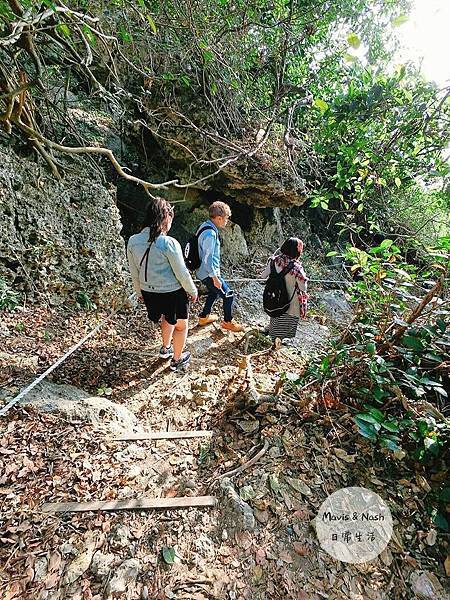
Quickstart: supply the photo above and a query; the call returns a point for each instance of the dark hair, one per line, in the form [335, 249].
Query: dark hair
[290, 247]
[156, 212]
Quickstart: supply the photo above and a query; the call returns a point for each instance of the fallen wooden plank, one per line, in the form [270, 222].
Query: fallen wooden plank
[134, 504]
[162, 435]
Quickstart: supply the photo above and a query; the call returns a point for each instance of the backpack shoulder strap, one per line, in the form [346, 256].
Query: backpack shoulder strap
[273, 270]
[284, 272]
[287, 268]
[200, 231]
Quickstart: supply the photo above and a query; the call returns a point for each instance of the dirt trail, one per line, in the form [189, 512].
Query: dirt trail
[261, 546]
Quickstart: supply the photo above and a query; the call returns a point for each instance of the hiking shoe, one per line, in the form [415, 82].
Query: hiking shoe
[166, 352]
[202, 321]
[181, 363]
[231, 326]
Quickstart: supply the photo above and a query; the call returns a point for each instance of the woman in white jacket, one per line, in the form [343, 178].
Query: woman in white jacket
[162, 280]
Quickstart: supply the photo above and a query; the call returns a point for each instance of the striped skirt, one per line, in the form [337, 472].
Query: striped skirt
[283, 327]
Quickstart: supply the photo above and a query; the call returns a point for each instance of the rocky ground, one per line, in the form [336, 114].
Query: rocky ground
[259, 541]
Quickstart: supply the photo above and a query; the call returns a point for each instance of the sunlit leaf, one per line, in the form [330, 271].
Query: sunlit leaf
[207, 56]
[124, 34]
[152, 24]
[366, 417]
[321, 105]
[353, 40]
[390, 426]
[389, 443]
[64, 29]
[349, 58]
[400, 20]
[168, 554]
[89, 35]
[376, 413]
[366, 429]
[370, 347]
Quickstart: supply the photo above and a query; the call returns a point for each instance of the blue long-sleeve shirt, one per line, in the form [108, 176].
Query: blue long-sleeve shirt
[209, 251]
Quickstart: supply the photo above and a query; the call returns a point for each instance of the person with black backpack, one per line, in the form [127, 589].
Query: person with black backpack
[285, 298]
[203, 254]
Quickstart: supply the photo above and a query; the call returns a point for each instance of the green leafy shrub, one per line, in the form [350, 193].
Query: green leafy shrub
[391, 365]
[84, 302]
[9, 299]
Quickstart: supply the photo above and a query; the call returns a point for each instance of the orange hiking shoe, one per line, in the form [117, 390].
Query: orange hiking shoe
[231, 326]
[202, 321]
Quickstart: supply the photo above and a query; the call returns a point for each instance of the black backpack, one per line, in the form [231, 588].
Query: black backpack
[276, 300]
[191, 254]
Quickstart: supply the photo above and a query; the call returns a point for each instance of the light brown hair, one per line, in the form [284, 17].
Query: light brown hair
[219, 209]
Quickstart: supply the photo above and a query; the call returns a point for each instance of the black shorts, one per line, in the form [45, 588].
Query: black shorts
[173, 305]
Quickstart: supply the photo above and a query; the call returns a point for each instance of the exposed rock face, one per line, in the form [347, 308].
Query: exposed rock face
[59, 238]
[239, 513]
[76, 405]
[234, 243]
[260, 179]
[261, 183]
[335, 305]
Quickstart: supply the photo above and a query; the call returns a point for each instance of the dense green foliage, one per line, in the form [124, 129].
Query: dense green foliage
[391, 367]
[277, 82]
[383, 134]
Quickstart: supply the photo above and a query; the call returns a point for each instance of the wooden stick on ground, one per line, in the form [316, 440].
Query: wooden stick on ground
[253, 393]
[132, 504]
[162, 435]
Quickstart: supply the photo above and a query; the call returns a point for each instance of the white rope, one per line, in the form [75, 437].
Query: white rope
[60, 360]
[247, 279]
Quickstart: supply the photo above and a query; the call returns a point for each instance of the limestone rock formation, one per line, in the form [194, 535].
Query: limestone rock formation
[76, 405]
[259, 177]
[59, 239]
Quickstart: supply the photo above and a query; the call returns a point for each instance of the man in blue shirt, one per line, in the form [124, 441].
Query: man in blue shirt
[209, 270]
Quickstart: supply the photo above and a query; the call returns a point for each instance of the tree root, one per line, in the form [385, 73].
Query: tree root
[35, 136]
[249, 463]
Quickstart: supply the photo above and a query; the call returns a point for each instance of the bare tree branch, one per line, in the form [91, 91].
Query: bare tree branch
[34, 135]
